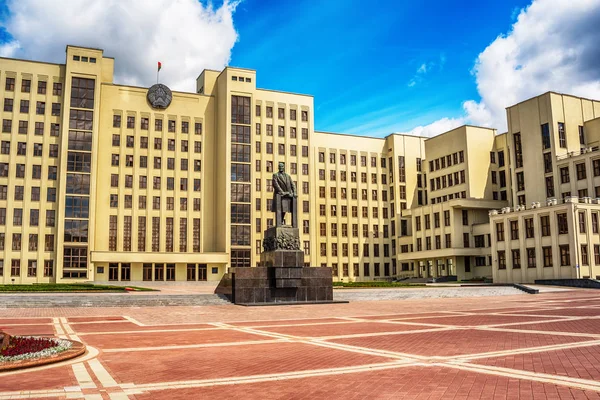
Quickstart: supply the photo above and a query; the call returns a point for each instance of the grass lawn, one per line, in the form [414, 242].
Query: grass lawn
[377, 284]
[64, 287]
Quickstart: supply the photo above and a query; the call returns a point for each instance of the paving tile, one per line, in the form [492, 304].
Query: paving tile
[458, 342]
[400, 383]
[577, 326]
[476, 320]
[232, 361]
[130, 326]
[36, 321]
[579, 362]
[569, 312]
[98, 319]
[351, 328]
[28, 329]
[287, 322]
[160, 339]
[53, 378]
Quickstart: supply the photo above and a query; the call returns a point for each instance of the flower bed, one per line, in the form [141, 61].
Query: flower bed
[30, 351]
[29, 347]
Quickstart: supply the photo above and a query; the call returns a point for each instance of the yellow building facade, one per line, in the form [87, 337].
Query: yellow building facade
[98, 182]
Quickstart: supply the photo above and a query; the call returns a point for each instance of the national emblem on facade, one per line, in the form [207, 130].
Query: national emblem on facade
[159, 96]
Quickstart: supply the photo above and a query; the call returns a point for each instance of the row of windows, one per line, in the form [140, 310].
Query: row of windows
[183, 163]
[158, 124]
[40, 107]
[355, 250]
[156, 233]
[57, 87]
[281, 131]
[441, 182]
[23, 128]
[280, 149]
[156, 202]
[366, 269]
[501, 161]
[354, 194]
[363, 160]
[281, 113]
[562, 226]
[20, 171]
[32, 244]
[436, 220]
[158, 143]
[580, 171]
[333, 231]
[156, 272]
[447, 161]
[441, 199]
[34, 217]
[32, 268]
[530, 253]
[22, 149]
[35, 193]
[343, 176]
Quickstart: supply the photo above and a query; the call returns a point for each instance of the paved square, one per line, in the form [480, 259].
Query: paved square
[506, 347]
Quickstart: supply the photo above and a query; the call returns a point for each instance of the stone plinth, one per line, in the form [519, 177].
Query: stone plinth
[276, 284]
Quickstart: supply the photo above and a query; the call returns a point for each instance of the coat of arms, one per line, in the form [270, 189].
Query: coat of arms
[159, 96]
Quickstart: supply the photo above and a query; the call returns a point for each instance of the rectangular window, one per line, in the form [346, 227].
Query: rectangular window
[501, 259]
[563, 227]
[565, 255]
[545, 136]
[500, 231]
[562, 136]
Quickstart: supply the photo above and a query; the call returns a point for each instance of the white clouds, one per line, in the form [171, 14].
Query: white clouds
[426, 68]
[437, 127]
[185, 35]
[552, 46]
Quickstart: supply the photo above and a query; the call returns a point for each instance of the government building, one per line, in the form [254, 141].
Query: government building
[106, 182]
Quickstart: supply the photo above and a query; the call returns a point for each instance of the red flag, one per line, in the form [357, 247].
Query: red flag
[159, 65]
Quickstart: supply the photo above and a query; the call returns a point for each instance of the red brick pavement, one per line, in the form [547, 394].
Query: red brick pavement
[351, 328]
[235, 361]
[458, 342]
[579, 362]
[291, 362]
[55, 378]
[400, 383]
[155, 339]
[477, 320]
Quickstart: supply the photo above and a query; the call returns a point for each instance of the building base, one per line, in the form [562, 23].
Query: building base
[277, 285]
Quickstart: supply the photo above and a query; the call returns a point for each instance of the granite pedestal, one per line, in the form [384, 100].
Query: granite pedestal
[281, 278]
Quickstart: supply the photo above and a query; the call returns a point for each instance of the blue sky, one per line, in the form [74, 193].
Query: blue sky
[377, 67]
[358, 59]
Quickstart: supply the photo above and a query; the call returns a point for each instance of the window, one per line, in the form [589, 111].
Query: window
[565, 255]
[584, 255]
[545, 136]
[547, 252]
[581, 216]
[514, 230]
[580, 168]
[501, 259]
[57, 89]
[516, 259]
[82, 93]
[10, 85]
[563, 227]
[549, 186]
[564, 175]
[547, 162]
[531, 258]
[26, 86]
[500, 231]
[545, 223]
[40, 107]
[529, 233]
[562, 138]
[465, 217]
